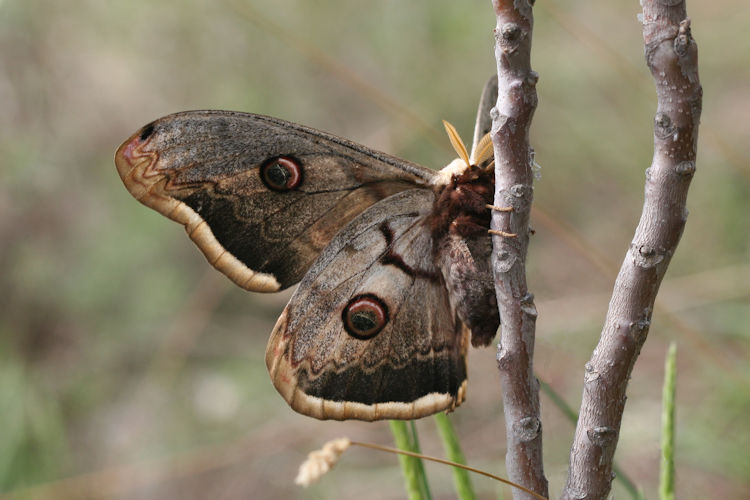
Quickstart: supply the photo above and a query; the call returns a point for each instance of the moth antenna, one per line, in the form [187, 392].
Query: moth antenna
[456, 142]
[483, 151]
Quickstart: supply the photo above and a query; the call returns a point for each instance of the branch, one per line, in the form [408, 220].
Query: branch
[671, 55]
[511, 119]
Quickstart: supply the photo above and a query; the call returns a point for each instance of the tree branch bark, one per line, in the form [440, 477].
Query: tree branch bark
[671, 55]
[511, 119]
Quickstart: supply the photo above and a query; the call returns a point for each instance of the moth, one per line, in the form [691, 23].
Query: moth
[392, 258]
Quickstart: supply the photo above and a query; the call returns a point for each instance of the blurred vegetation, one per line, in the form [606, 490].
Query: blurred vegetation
[123, 354]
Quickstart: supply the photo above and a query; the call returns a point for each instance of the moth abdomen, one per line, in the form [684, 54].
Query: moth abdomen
[465, 265]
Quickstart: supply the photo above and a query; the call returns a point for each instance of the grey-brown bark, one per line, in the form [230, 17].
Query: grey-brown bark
[513, 188]
[671, 55]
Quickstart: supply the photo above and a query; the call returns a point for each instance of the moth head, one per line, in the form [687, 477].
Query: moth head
[479, 155]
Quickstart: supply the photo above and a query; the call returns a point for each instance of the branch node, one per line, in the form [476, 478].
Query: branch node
[683, 38]
[647, 257]
[603, 437]
[505, 261]
[509, 36]
[520, 190]
[527, 305]
[641, 327]
[504, 358]
[663, 127]
[527, 429]
[633, 333]
[591, 374]
[685, 169]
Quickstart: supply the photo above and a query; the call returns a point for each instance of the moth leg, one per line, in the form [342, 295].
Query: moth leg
[501, 209]
[502, 233]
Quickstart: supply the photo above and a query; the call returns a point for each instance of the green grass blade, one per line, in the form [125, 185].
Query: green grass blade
[464, 489]
[666, 473]
[412, 468]
[420, 462]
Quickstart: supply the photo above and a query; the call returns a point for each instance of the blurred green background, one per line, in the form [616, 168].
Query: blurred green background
[131, 369]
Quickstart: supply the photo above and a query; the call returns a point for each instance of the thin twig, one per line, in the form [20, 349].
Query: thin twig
[511, 118]
[448, 462]
[671, 55]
